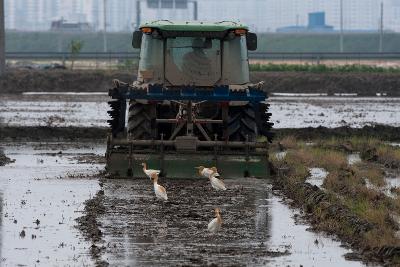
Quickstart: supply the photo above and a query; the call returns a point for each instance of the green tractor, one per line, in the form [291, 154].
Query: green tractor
[191, 105]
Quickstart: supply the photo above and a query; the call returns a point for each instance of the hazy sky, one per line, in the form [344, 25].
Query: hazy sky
[262, 15]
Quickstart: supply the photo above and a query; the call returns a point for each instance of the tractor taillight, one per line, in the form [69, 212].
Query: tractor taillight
[146, 30]
[240, 32]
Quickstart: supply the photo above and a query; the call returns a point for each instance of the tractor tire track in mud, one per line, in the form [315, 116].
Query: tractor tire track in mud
[90, 226]
[138, 229]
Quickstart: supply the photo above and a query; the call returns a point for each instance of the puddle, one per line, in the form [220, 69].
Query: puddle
[394, 144]
[392, 181]
[307, 248]
[35, 200]
[353, 158]
[317, 176]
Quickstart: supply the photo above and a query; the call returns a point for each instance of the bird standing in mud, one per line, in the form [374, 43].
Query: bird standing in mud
[217, 184]
[159, 190]
[212, 174]
[149, 172]
[215, 225]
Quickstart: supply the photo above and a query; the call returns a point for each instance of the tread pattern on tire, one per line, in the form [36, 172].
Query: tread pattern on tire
[265, 127]
[250, 120]
[140, 121]
[242, 123]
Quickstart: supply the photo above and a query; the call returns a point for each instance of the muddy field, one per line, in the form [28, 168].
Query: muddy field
[90, 110]
[48, 192]
[367, 84]
[58, 208]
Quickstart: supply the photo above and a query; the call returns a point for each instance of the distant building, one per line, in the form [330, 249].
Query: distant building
[316, 23]
[64, 26]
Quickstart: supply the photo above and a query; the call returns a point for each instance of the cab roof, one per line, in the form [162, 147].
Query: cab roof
[194, 26]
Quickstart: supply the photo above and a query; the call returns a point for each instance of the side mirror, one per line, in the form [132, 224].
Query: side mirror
[251, 41]
[137, 39]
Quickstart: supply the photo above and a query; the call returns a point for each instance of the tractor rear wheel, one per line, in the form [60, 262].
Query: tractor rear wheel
[265, 125]
[249, 121]
[242, 123]
[141, 120]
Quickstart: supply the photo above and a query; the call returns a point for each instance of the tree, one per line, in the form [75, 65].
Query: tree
[75, 48]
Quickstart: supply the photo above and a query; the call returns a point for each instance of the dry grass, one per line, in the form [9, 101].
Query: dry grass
[380, 237]
[371, 172]
[318, 158]
[368, 204]
[290, 167]
[348, 144]
[289, 142]
[328, 159]
[388, 156]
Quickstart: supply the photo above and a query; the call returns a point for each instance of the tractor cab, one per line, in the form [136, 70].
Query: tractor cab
[192, 53]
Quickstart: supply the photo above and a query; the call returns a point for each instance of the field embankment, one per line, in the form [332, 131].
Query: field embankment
[356, 200]
[367, 84]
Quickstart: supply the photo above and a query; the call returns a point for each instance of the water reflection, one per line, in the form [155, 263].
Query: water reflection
[306, 248]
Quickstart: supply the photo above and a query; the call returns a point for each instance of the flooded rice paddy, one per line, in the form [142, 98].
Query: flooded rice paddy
[40, 203]
[43, 192]
[90, 110]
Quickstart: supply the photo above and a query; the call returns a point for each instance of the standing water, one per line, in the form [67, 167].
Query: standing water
[39, 207]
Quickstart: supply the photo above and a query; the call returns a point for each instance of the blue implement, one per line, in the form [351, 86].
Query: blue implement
[216, 94]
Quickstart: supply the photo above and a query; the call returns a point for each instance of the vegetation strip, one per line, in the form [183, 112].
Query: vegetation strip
[362, 216]
[267, 42]
[362, 83]
[322, 68]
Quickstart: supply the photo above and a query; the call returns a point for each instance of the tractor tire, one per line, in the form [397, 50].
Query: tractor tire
[249, 121]
[242, 124]
[141, 120]
[265, 124]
